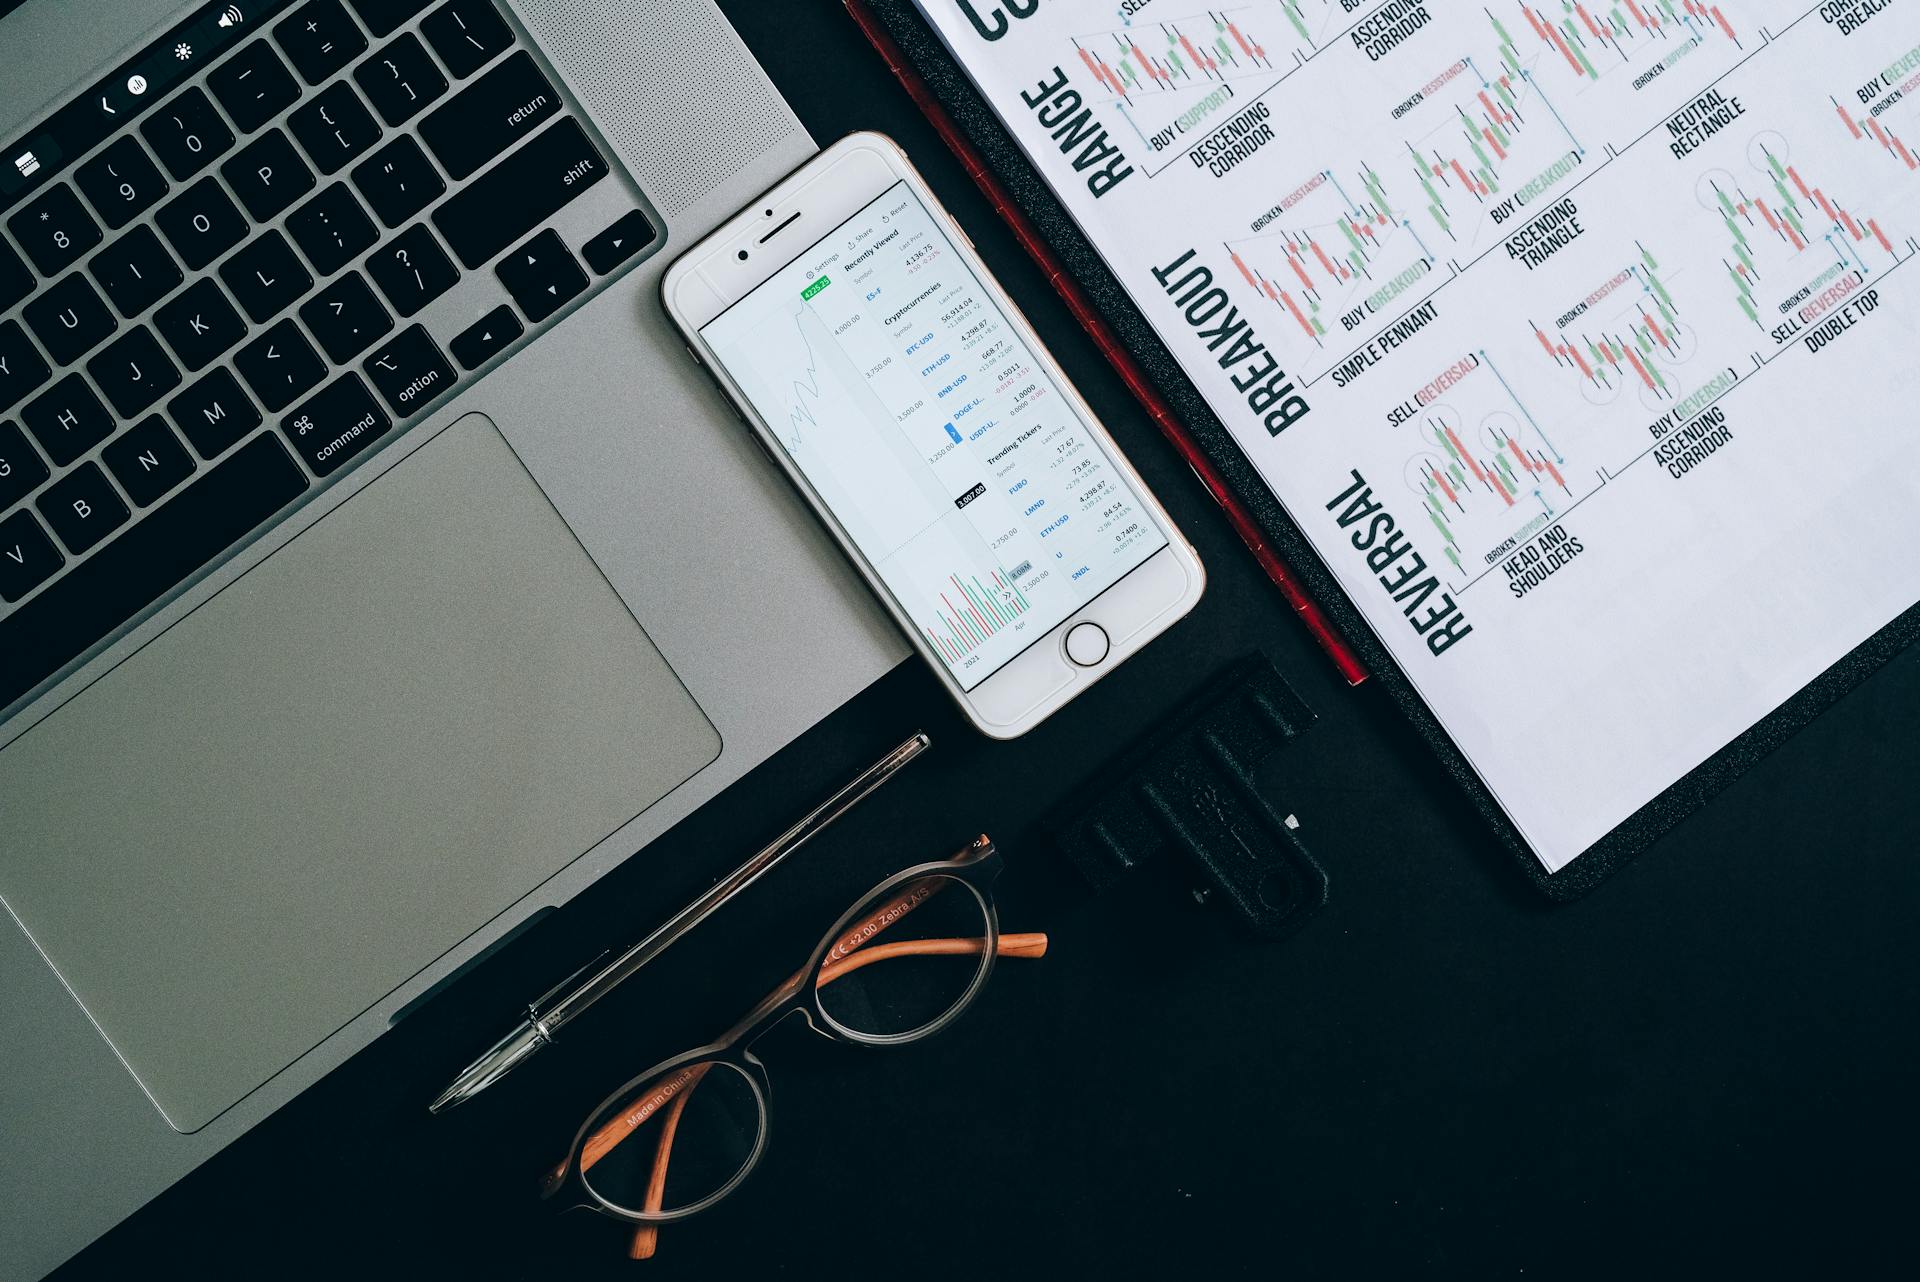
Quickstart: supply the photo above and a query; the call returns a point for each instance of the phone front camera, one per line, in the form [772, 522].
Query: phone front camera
[743, 255]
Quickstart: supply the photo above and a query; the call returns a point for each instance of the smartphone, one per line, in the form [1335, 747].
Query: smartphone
[881, 367]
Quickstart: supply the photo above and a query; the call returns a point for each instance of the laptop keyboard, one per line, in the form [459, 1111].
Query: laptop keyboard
[214, 272]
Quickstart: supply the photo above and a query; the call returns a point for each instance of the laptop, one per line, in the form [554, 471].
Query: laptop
[376, 568]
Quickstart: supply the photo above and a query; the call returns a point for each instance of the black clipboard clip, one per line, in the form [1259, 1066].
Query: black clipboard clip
[1188, 787]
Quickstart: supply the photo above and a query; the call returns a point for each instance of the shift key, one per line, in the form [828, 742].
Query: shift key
[521, 192]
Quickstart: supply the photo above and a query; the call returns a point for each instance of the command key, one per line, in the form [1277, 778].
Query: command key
[335, 424]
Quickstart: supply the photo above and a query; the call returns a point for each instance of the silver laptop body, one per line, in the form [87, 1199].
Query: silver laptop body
[454, 667]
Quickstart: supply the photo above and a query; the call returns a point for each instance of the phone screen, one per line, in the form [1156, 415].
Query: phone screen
[939, 441]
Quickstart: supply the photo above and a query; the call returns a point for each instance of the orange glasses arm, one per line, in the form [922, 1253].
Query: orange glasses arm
[646, 1237]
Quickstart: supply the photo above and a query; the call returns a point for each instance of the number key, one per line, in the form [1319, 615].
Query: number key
[400, 79]
[122, 182]
[187, 134]
[55, 230]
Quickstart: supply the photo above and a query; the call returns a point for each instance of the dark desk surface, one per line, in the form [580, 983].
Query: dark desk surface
[1707, 1064]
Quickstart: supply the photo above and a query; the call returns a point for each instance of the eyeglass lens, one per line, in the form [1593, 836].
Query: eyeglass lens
[911, 956]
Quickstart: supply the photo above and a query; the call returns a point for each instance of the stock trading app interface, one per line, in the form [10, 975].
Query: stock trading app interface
[922, 418]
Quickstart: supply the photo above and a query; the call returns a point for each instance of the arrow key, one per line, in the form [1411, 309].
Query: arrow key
[541, 275]
[486, 338]
[627, 237]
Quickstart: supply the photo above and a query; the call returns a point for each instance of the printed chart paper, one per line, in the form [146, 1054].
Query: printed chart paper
[1577, 335]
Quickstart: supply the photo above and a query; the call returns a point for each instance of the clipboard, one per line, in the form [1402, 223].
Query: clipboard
[969, 125]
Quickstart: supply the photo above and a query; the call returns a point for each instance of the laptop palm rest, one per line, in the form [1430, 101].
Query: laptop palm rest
[262, 822]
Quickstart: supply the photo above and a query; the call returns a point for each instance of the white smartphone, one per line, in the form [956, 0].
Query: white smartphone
[879, 365]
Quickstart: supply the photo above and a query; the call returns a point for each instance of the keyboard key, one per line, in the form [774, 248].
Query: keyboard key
[486, 338]
[491, 115]
[187, 134]
[412, 270]
[266, 277]
[334, 128]
[67, 419]
[136, 271]
[629, 234]
[346, 317]
[133, 372]
[213, 413]
[331, 229]
[519, 193]
[200, 325]
[55, 230]
[27, 558]
[254, 86]
[148, 460]
[398, 181]
[319, 39]
[268, 175]
[280, 366]
[409, 371]
[122, 182]
[336, 424]
[16, 282]
[135, 570]
[384, 17]
[21, 367]
[466, 34]
[20, 467]
[541, 275]
[201, 224]
[68, 319]
[82, 508]
[400, 79]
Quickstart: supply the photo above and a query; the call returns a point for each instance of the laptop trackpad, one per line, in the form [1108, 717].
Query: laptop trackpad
[261, 823]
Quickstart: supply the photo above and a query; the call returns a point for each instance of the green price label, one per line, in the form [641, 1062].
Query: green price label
[814, 288]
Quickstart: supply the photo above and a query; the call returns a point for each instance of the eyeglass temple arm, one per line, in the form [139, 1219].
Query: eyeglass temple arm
[887, 915]
[646, 1237]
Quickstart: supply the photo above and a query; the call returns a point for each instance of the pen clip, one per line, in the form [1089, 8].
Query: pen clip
[539, 1003]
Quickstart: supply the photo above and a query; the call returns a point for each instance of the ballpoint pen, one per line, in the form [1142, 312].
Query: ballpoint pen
[542, 1021]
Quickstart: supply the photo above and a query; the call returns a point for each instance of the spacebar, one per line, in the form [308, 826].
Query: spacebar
[136, 569]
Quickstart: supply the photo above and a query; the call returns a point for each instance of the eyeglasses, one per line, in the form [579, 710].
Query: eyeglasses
[684, 1134]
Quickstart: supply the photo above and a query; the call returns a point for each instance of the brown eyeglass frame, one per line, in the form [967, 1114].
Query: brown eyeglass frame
[844, 949]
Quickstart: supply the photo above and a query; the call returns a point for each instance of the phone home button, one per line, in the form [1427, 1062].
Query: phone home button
[1087, 644]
